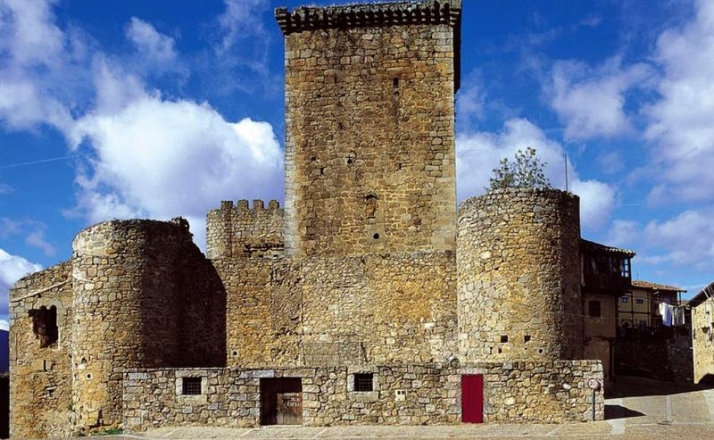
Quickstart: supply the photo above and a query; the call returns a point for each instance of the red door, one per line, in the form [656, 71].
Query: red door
[472, 398]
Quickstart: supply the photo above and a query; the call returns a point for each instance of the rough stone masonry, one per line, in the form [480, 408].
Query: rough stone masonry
[366, 299]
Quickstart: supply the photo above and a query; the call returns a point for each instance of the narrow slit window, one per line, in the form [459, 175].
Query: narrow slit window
[364, 382]
[191, 386]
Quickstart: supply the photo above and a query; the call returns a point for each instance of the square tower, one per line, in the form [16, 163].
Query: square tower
[370, 151]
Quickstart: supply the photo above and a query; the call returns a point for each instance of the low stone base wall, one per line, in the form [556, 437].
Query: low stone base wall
[518, 392]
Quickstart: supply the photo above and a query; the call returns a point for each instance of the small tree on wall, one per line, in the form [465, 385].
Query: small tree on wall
[526, 171]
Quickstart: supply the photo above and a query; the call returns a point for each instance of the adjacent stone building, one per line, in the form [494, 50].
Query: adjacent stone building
[367, 299]
[702, 306]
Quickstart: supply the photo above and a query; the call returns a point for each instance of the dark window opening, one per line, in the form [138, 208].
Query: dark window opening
[44, 325]
[192, 386]
[370, 201]
[504, 339]
[395, 82]
[364, 382]
[527, 338]
[376, 236]
[594, 309]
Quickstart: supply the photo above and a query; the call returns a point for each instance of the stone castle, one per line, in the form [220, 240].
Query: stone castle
[368, 299]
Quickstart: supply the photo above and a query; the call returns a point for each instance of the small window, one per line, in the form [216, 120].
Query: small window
[192, 386]
[504, 339]
[624, 299]
[364, 382]
[44, 325]
[527, 338]
[594, 309]
[639, 301]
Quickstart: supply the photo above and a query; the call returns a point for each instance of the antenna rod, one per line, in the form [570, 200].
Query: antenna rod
[565, 158]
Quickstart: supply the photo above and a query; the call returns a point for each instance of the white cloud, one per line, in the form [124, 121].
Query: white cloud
[471, 99]
[28, 34]
[151, 43]
[242, 18]
[37, 239]
[479, 153]
[162, 158]
[4, 324]
[33, 231]
[148, 156]
[12, 268]
[681, 241]
[680, 123]
[624, 233]
[591, 102]
[35, 58]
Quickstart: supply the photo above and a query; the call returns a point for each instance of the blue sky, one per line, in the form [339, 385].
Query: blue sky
[163, 108]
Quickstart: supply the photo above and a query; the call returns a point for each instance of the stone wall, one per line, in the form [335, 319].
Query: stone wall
[41, 377]
[519, 276]
[549, 392]
[133, 285]
[340, 311]
[369, 150]
[669, 359]
[703, 340]
[239, 231]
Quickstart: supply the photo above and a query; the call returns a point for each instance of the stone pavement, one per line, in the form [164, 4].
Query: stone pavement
[640, 409]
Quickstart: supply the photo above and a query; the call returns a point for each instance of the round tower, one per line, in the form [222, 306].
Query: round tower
[518, 269]
[124, 310]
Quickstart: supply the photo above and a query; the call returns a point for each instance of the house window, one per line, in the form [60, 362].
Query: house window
[44, 325]
[364, 382]
[624, 299]
[639, 301]
[594, 309]
[192, 386]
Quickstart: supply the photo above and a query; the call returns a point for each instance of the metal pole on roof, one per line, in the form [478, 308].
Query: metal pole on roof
[565, 159]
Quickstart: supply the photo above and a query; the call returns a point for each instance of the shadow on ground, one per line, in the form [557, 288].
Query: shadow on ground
[620, 412]
[631, 386]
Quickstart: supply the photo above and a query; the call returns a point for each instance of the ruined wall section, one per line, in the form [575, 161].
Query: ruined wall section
[132, 291]
[41, 376]
[340, 311]
[370, 156]
[243, 232]
[519, 276]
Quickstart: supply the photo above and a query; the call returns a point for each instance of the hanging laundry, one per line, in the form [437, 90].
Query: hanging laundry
[666, 311]
[678, 316]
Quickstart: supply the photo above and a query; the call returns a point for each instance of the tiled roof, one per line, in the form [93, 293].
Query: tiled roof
[591, 246]
[654, 286]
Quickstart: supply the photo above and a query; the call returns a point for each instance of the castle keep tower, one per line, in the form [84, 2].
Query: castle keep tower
[370, 161]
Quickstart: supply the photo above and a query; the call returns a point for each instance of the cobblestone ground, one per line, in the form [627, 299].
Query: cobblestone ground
[640, 409]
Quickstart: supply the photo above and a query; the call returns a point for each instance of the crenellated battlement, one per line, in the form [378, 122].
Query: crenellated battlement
[239, 230]
[372, 14]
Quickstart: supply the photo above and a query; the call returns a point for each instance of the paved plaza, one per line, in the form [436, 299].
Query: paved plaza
[640, 409]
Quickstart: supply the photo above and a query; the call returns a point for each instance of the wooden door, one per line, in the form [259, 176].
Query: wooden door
[281, 401]
[472, 398]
